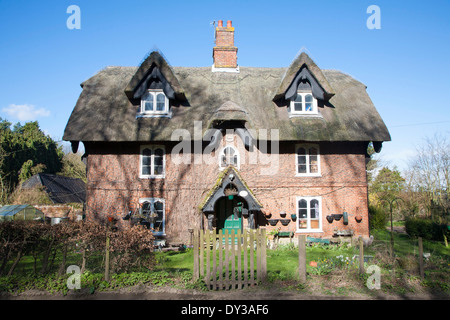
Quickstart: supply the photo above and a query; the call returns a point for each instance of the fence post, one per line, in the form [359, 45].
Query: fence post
[107, 258]
[196, 257]
[245, 259]
[239, 257]
[252, 257]
[302, 258]
[214, 259]
[208, 258]
[263, 255]
[258, 255]
[361, 255]
[421, 258]
[220, 259]
[233, 259]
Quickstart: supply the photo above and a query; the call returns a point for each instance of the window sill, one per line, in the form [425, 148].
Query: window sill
[152, 177]
[159, 234]
[308, 175]
[309, 231]
[305, 115]
[155, 115]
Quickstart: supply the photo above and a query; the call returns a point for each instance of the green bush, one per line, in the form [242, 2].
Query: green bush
[425, 228]
[377, 218]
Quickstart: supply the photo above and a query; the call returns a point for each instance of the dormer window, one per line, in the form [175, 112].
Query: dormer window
[303, 104]
[154, 102]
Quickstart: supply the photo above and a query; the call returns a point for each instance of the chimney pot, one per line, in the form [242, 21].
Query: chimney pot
[229, 24]
[220, 23]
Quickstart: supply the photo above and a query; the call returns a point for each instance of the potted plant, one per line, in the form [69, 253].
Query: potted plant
[152, 217]
[272, 233]
[302, 224]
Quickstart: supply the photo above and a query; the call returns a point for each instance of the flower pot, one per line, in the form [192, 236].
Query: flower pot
[273, 222]
[293, 217]
[283, 214]
[268, 215]
[135, 221]
[285, 222]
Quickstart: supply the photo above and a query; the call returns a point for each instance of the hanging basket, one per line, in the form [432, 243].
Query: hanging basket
[285, 222]
[273, 222]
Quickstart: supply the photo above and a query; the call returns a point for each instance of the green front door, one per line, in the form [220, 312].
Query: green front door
[226, 218]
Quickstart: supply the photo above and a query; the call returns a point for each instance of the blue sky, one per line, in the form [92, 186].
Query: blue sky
[405, 64]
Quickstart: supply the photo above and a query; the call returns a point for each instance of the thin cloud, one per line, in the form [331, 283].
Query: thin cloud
[25, 112]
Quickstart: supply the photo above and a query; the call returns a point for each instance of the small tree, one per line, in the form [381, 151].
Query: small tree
[429, 175]
[387, 188]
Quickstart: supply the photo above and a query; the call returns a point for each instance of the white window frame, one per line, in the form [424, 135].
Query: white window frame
[154, 93]
[303, 94]
[308, 228]
[152, 162]
[222, 153]
[308, 161]
[152, 203]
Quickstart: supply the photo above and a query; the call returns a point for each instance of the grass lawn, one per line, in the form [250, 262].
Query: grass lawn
[337, 270]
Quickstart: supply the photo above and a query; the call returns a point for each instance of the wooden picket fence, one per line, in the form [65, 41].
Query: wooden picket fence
[230, 260]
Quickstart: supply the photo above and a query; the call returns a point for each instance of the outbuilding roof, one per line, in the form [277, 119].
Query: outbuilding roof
[60, 189]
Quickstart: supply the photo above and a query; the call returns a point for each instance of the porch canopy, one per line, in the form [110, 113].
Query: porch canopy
[230, 177]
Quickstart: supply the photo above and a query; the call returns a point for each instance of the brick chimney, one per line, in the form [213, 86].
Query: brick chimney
[225, 53]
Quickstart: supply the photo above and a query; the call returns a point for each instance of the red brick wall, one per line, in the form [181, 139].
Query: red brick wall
[114, 186]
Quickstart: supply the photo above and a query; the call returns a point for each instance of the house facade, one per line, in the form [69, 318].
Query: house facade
[227, 147]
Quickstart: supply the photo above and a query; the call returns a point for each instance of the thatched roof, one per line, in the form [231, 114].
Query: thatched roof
[105, 111]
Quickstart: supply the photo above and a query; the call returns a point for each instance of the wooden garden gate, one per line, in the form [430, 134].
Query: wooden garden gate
[230, 260]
